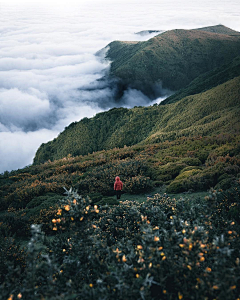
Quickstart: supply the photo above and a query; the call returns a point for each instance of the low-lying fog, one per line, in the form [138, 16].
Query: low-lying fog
[49, 74]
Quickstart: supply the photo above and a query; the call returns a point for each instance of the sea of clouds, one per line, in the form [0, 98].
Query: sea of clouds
[49, 73]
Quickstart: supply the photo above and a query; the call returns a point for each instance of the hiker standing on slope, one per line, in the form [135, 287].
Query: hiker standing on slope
[118, 185]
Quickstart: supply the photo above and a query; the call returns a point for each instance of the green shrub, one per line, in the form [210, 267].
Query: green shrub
[191, 161]
[186, 173]
[176, 186]
[95, 197]
[45, 201]
[191, 168]
[107, 201]
[138, 184]
[224, 184]
[158, 249]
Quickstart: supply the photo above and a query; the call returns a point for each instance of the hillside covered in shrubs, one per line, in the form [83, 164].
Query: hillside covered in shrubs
[185, 164]
[160, 249]
[171, 60]
[207, 113]
[175, 232]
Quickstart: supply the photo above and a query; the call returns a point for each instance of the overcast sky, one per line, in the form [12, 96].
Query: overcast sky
[48, 69]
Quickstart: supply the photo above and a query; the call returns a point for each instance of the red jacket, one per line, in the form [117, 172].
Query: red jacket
[118, 185]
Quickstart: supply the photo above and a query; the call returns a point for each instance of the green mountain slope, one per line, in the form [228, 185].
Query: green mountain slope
[172, 59]
[207, 81]
[212, 112]
[219, 29]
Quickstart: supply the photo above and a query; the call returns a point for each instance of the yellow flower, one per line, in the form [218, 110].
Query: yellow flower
[10, 297]
[81, 219]
[156, 239]
[124, 258]
[164, 291]
[137, 275]
[54, 228]
[67, 207]
[164, 257]
[54, 221]
[75, 201]
[91, 285]
[215, 287]
[19, 296]
[117, 251]
[180, 296]
[95, 207]
[208, 269]
[72, 218]
[183, 231]
[139, 247]
[150, 265]
[189, 267]
[181, 245]
[202, 258]
[233, 287]
[59, 212]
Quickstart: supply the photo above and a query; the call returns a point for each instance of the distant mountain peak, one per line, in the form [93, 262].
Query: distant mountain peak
[172, 59]
[220, 29]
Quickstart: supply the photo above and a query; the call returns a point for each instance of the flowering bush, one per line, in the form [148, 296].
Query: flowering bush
[159, 249]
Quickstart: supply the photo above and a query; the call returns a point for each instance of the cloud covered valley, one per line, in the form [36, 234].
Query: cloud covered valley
[50, 75]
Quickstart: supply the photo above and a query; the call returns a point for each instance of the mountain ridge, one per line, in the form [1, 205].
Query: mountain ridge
[170, 60]
[201, 114]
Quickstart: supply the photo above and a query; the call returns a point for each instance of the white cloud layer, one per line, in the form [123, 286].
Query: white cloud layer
[48, 69]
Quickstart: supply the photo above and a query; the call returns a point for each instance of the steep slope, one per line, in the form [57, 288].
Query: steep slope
[172, 59]
[219, 29]
[207, 81]
[212, 112]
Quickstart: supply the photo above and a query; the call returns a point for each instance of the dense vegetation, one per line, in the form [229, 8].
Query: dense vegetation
[207, 81]
[182, 165]
[172, 59]
[88, 245]
[212, 112]
[160, 249]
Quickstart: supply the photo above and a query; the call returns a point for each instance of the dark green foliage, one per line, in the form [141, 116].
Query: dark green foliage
[107, 201]
[95, 197]
[159, 249]
[44, 201]
[182, 165]
[212, 112]
[207, 81]
[171, 59]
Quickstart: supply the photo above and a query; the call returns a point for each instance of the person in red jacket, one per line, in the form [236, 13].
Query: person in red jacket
[118, 185]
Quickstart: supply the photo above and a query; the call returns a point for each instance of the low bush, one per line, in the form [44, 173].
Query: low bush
[158, 249]
[107, 201]
[138, 184]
